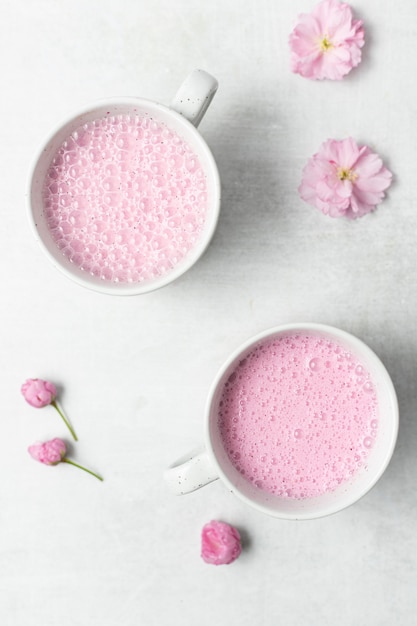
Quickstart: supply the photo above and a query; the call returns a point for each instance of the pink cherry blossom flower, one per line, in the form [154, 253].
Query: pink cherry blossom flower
[327, 42]
[53, 452]
[40, 393]
[220, 543]
[344, 179]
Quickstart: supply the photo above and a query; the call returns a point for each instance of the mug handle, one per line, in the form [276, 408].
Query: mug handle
[191, 472]
[194, 96]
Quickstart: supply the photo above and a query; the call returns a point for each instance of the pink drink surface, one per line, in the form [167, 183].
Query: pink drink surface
[298, 415]
[125, 198]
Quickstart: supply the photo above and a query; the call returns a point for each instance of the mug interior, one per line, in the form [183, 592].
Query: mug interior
[347, 492]
[114, 107]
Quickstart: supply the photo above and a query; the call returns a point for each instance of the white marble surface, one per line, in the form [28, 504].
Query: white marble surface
[135, 372]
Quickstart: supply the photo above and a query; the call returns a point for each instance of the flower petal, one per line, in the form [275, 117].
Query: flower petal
[368, 165]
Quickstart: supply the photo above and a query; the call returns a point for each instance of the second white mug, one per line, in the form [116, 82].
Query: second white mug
[301, 421]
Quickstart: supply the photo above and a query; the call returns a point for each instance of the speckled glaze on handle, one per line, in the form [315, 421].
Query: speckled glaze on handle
[190, 473]
[194, 96]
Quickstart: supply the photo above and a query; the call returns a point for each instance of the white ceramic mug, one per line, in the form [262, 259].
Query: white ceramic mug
[182, 117]
[211, 462]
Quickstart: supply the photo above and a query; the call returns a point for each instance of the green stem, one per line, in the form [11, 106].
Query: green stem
[65, 460]
[68, 425]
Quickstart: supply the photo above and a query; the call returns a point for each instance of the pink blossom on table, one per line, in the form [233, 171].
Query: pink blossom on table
[50, 453]
[53, 452]
[344, 179]
[40, 393]
[220, 543]
[327, 42]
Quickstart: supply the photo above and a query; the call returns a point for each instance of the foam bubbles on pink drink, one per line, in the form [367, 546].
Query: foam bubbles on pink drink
[298, 416]
[125, 198]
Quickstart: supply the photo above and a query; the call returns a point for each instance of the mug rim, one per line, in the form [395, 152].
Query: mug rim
[212, 173]
[335, 333]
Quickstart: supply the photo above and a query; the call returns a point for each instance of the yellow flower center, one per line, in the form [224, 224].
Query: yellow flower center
[325, 44]
[344, 173]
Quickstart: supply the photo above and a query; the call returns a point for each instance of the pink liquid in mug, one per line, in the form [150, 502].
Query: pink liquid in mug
[125, 198]
[298, 415]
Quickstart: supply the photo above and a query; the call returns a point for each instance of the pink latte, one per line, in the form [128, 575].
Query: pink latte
[298, 415]
[125, 198]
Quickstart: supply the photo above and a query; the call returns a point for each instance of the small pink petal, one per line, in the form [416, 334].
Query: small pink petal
[359, 208]
[308, 26]
[377, 184]
[368, 165]
[368, 198]
[339, 23]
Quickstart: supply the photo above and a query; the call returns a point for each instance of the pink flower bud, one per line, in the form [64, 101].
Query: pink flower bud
[53, 452]
[38, 393]
[50, 453]
[220, 543]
